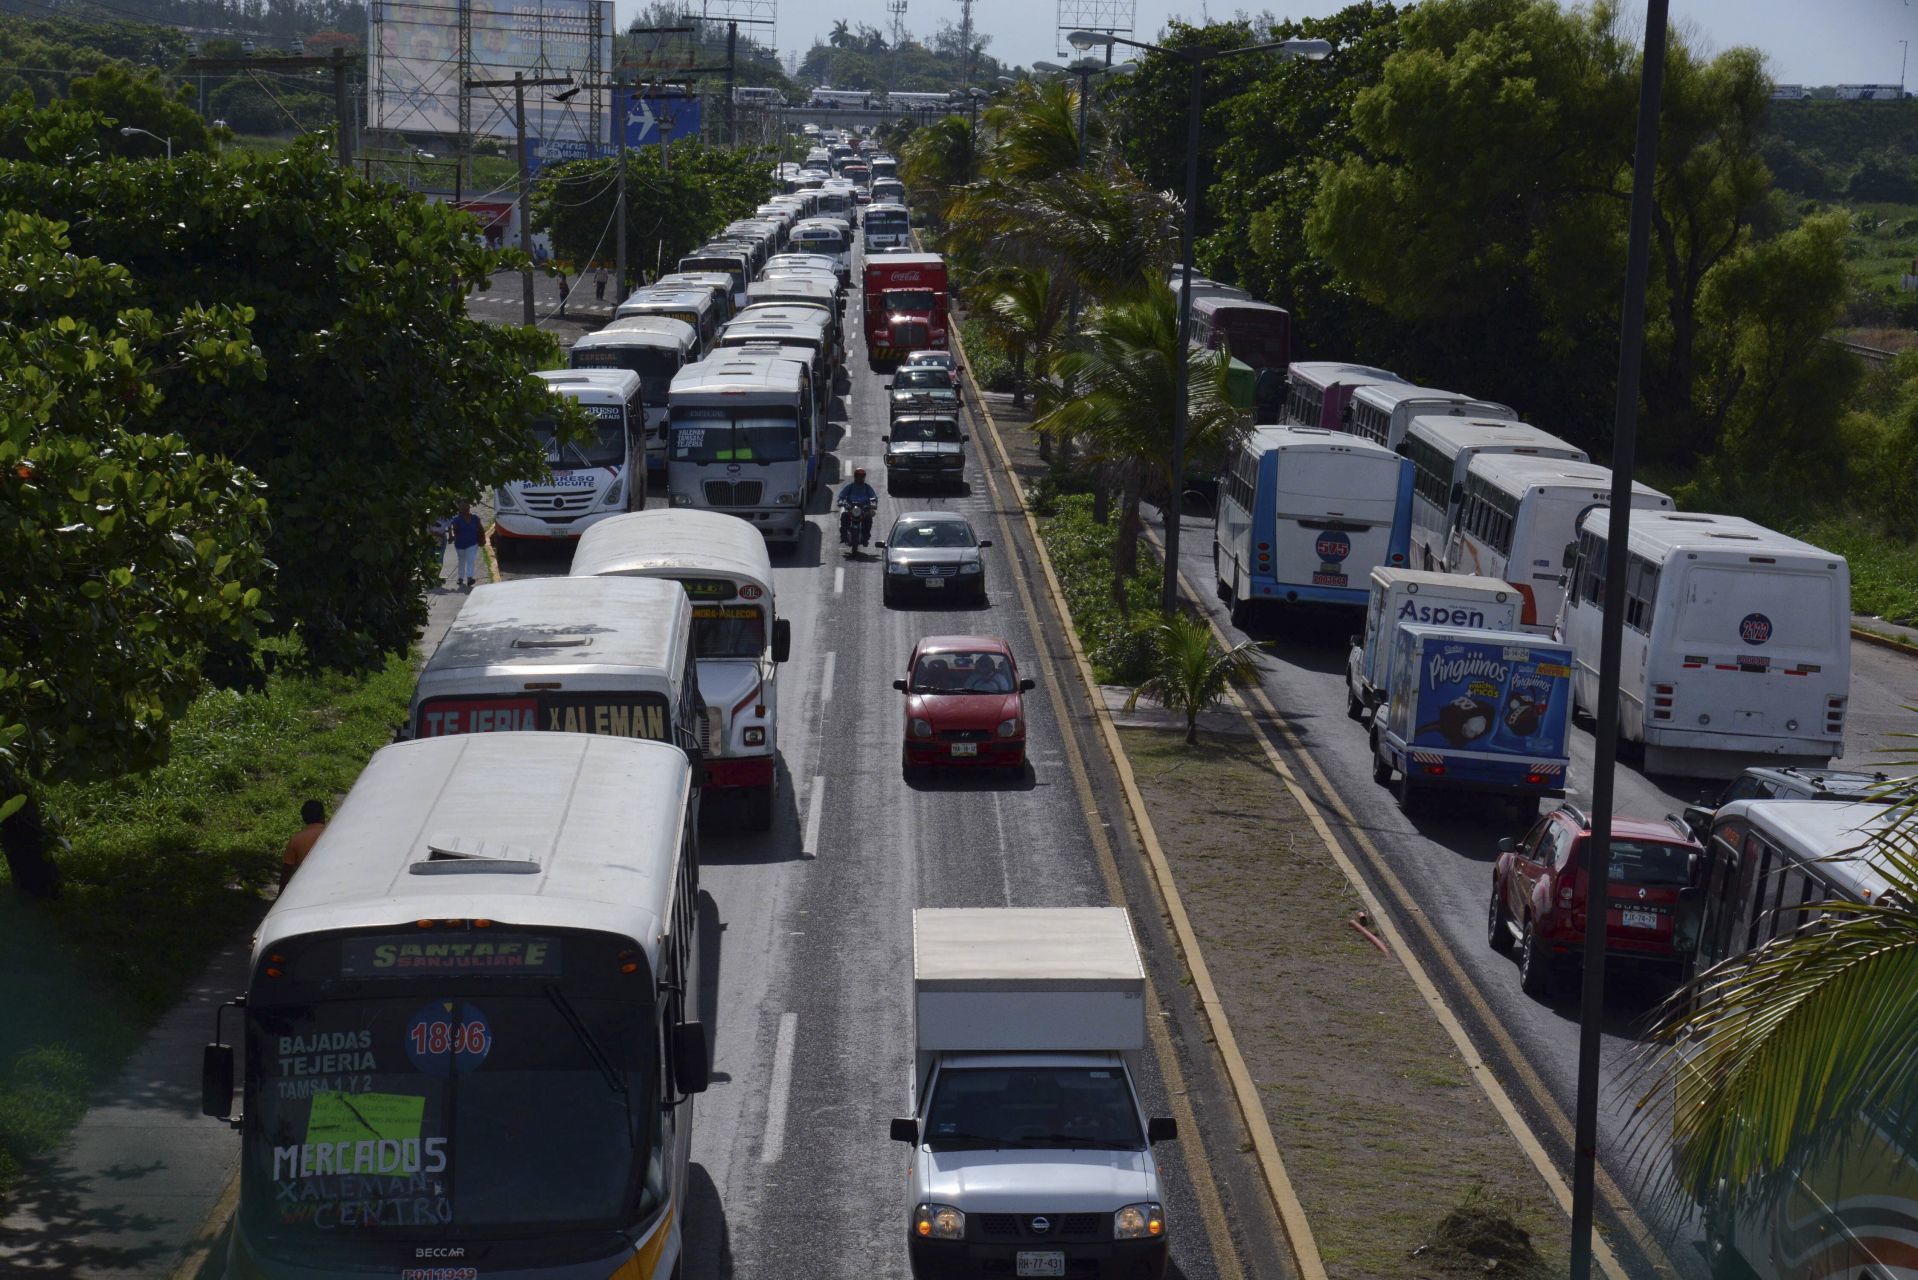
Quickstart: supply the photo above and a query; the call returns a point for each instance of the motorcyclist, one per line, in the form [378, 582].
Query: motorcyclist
[857, 500]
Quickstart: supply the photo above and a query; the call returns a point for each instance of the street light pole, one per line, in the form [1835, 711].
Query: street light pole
[1181, 413]
[519, 84]
[127, 131]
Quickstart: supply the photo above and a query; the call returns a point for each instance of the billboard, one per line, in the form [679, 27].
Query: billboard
[416, 76]
[644, 116]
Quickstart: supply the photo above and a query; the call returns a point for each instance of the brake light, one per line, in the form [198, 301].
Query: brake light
[1434, 770]
[1535, 779]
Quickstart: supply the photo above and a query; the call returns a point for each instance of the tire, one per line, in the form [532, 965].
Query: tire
[908, 770]
[1381, 768]
[1241, 613]
[1498, 921]
[1408, 794]
[1354, 709]
[759, 809]
[1535, 976]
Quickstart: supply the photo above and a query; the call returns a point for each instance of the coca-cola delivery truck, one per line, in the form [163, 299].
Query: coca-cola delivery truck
[905, 306]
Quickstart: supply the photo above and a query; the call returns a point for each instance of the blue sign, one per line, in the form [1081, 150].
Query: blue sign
[1490, 696]
[1333, 547]
[646, 117]
[541, 152]
[1754, 628]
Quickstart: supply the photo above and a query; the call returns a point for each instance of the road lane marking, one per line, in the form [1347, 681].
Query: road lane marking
[839, 581]
[1481, 1070]
[782, 1086]
[825, 680]
[810, 847]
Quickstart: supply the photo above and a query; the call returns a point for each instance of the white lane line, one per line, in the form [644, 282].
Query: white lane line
[782, 1087]
[809, 848]
[825, 681]
[839, 581]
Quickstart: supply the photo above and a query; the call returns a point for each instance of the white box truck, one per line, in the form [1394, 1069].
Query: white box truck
[1423, 598]
[1030, 1153]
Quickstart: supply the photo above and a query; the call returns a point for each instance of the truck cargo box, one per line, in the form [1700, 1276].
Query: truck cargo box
[1027, 980]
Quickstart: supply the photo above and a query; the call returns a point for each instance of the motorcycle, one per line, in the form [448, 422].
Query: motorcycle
[855, 524]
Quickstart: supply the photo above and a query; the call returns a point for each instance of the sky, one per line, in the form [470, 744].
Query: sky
[1830, 42]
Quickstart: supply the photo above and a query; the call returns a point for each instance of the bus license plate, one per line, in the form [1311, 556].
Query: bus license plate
[1641, 920]
[966, 749]
[1041, 1264]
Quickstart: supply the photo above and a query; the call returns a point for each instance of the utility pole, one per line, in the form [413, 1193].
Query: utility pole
[732, 80]
[622, 108]
[965, 44]
[520, 84]
[897, 8]
[336, 62]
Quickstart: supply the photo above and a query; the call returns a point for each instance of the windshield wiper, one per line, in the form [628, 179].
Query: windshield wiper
[972, 1139]
[597, 1054]
[1080, 1140]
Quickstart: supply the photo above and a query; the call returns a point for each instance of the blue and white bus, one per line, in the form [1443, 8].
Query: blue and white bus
[589, 479]
[1305, 515]
[741, 442]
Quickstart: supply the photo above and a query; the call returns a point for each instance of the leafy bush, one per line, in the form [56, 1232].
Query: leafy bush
[1123, 644]
[1884, 570]
[990, 368]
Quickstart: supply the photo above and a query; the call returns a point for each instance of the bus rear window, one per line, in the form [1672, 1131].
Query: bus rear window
[1726, 608]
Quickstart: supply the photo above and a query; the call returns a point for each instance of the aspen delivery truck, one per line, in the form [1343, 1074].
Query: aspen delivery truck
[1427, 599]
[1471, 710]
[1030, 1153]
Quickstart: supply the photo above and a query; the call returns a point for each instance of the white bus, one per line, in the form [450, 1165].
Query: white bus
[808, 327]
[717, 283]
[737, 259]
[1305, 515]
[741, 427]
[739, 639]
[758, 95]
[1316, 390]
[1768, 864]
[590, 479]
[886, 226]
[1520, 521]
[802, 289]
[695, 307]
[1382, 412]
[567, 654]
[807, 315]
[828, 236]
[473, 1015]
[849, 99]
[653, 347]
[1441, 449]
[1737, 642]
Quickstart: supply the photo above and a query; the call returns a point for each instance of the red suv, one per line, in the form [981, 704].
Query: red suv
[1538, 895]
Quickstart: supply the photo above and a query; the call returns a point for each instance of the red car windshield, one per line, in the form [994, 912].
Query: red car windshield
[963, 673]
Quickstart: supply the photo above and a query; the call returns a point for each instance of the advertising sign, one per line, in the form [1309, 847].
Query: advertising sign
[647, 117]
[1487, 696]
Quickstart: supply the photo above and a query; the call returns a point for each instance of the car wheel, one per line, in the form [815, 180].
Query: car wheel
[1535, 976]
[1498, 922]
[1408, 794]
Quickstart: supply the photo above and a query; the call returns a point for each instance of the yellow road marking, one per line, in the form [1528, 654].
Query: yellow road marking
[201, 1247]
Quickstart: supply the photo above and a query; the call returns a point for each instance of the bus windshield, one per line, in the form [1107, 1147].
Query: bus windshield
[445, 1108]
[606, 448]
[728, 631]
[759, 434]
[654, 365]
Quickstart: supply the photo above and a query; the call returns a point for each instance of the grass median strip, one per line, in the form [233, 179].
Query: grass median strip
[164, 869]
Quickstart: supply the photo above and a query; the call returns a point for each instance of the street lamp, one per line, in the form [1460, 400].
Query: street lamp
[127, 131]
[1314, 50]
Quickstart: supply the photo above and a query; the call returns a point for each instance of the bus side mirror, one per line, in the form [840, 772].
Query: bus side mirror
[1161, 1129]
[905, 1129]
[692, 1057]
[216, 1081]
[782, 639]
[697, 759]
[1568, 555]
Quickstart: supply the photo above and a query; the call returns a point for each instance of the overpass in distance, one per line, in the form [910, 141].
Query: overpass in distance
[857, 117]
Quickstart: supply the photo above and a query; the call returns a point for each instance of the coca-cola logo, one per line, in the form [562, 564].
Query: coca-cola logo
[1333, 547]
[1754, 628]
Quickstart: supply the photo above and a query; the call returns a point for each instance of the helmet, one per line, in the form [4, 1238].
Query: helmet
[859, 473]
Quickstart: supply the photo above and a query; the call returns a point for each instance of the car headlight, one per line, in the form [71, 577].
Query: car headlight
[681, 499]
[1010, 728]
[614, 492]
[920, 728]
[939, 1222]
[1136, 1222]
[898, 566]
[952, 460]
[503, 500]
[971, 566]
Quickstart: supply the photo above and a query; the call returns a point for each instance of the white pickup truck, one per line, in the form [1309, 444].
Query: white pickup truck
[1030, 1153]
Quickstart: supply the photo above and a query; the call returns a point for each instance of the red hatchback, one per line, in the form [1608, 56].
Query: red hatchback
[1539, 890]
[964, 705]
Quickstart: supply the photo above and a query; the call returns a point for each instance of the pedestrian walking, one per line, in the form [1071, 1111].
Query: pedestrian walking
[467, 534]
[562, 293]
[313, 814]
[599, 284]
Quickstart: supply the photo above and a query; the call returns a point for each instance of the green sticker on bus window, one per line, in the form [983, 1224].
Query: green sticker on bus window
[360, 1117]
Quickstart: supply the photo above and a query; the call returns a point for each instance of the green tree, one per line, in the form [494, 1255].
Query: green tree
[1106, 232]
[1024, 309]
[666, 213]
[937, 163]
[382, 402]
[1123, 374]
[841, 36]
[1192, 673]
[1036, 130]
[121, 98]
[126, 557]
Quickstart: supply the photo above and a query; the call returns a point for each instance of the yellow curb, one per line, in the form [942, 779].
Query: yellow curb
[1896, 644]
[194, 1260]
[492, 558]
[1481, 1071]
[1278, 1182]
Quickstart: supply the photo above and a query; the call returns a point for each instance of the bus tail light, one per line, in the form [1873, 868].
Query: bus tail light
[1835, 715]
[1434, 770]
[1535, 779]
[1663, 695]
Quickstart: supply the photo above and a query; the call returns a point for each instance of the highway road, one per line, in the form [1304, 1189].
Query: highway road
[1444, 860]
[809, 928]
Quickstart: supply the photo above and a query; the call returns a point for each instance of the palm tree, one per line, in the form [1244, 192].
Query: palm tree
[1108, 233]
[1123, 410]
[841, 35]
[1023, 308]
[937, 160]
[1192, 672]
[1037, 133]
[1765, 1062]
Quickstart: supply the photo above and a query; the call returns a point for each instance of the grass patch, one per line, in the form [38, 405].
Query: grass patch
[163, 869]
[1884, 570]
[1119, 640]
[990, 367]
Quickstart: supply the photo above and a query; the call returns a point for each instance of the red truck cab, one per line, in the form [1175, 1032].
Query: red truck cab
[906, 306]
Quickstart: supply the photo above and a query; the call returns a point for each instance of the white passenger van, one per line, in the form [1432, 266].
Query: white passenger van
[655, 348]
[590, 480]
[739, 639]
[1737, 642]
[1316, 390]
[694, 306]
[1520, 520]
[742, 428]
[473, 1015]
[1305, 515]
[1382, 412]
[576, 655]
[1441, 448]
